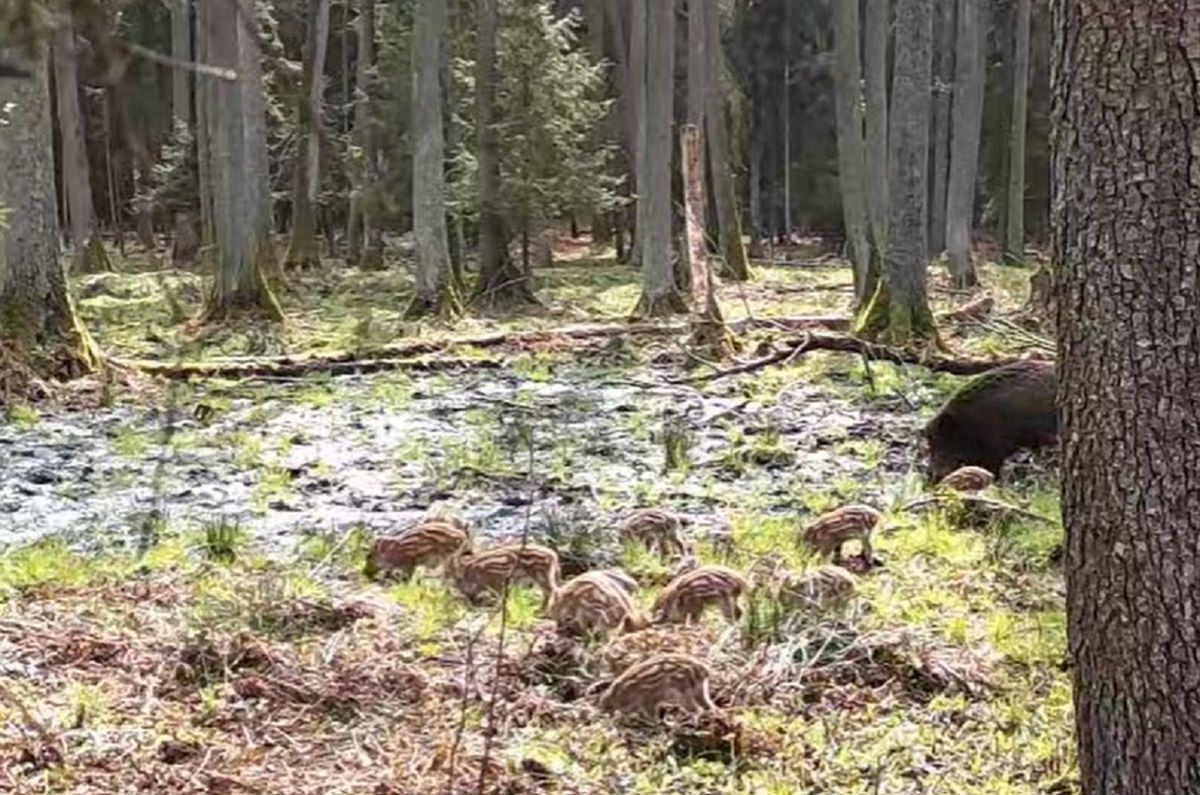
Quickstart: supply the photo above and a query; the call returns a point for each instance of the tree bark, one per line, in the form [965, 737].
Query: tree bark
[637, 67]
[966, 126]
[303, 250]
[847, 80]
[1014, 227]
[899, 310]
[37, 320]
[943, 77]
[729, 226]
[239, 284]
[435, 292]
[258, 163]
[500, 281]
[875, 49]
[1127, 229]
[181, 50]
[659, 295]
[89, 253]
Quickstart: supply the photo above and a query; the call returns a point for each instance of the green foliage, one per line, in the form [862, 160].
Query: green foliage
[222, 540]
[547, 111]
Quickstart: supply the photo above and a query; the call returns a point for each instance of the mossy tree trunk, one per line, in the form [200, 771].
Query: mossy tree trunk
[303, 248]
[364, 233]
[37, 319]
[90, 255]
[501, 282]
[236, 157]
[899, 312]
[659, 294]
[435, 289]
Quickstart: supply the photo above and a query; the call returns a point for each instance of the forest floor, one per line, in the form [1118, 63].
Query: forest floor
[182, 606]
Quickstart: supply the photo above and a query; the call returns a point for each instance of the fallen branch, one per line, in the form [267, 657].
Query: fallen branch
[975, 499]
[408, 355]
[868, 350]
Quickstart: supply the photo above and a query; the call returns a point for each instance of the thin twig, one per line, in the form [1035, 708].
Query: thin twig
[489, 728]
[999, 505]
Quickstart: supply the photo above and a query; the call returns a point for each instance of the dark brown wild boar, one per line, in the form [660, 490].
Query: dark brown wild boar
[993, 416]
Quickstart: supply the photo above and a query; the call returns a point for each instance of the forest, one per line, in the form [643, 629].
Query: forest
[599, 396]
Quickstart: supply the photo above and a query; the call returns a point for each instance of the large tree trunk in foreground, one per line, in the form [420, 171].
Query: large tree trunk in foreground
[1014, 228]
[37, 321]
[501, 282]
[303, 250]
[659, 295]
[899, 310]
[234, 152]
[737, 266]
[847, 80]
[1127, 211]
[435, 292]
[966, 126]
[875, 47]
[90, 255]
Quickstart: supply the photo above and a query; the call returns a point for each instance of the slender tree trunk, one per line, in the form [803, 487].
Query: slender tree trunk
[899, 310]
[847, 80]
[38, 325]
[435, 292]
[697, 63]
[181, 50]
[1014, 228]
[500, 281]
[659, 295]
[202, 104]
[875, 48]
[303, 250]
[785, 165]
[1127, 229]
[90, 255]
[239, 283]
[733, 249]
[602, 231]
[364, 236]
[618, 19]
[967, 124]
[943, 77]
[637, 68]
[258, 163]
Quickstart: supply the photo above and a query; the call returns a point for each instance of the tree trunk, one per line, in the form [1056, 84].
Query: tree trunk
[847, 80]
[303, 250]
[899, 310]
[37, 320]
[967, 124]
[943, 77]
[875, 49]
[637, 68]
[181, 50]
[618, 24]
[1127, 212]
[258, 162]
[733, 249]
[610, 130]
[500, 281]
[1014, 227]
[659, 295]
[90, 255]
[435, 294]
[239, 283]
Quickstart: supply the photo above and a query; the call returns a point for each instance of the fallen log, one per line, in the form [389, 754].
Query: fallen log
[955, 365]
[405, 355]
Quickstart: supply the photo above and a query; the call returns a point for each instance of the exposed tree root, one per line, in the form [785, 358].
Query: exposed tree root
[660, 306]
